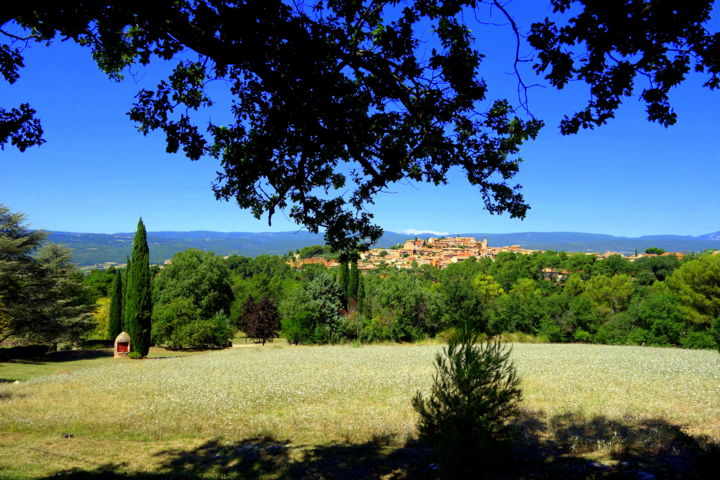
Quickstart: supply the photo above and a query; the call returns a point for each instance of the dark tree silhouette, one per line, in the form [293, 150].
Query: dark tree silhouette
[353, 282]
[261, 319]
[334, 101]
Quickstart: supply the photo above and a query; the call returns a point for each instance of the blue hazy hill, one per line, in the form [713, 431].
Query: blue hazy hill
[96, 248]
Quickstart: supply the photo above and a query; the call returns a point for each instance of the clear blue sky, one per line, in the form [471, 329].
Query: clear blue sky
[97, 174]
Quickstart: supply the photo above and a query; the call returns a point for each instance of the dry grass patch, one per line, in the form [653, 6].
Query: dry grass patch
[313, 396]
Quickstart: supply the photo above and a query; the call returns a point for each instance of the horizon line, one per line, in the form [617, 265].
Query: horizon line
[408, 232]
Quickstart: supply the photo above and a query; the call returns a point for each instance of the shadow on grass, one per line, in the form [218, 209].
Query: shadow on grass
[566, 446]
[261, 458]
[74, 355]
[63, 356]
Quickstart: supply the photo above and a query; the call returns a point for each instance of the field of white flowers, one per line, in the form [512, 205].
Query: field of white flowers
[315, 395]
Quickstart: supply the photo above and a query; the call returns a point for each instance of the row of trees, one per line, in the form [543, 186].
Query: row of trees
[655, 300]
[44, 299]
[604, 301]
[200, 300]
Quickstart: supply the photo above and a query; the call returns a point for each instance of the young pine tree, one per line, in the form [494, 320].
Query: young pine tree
[474, 395]
[115, 325]
[138, 302]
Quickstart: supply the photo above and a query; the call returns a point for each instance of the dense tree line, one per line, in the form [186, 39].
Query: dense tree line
[200, 300]
[653, 301]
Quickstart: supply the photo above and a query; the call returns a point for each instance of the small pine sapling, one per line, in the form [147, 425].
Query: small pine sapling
[474, 395]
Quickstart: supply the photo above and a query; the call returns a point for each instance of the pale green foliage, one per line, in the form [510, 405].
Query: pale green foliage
[520, 309]
[697, 284]
[408, 305]
[115, 322]
[297, 328]
[312, 314]
[101, 318]
[610, 295]
[192, 297]
[487, 288]
[574, 286]
[324, 296]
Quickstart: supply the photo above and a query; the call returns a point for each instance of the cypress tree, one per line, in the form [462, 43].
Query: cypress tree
[353, 279]
[116, 307]
[361, 295]
[138, 303]
[343, 277]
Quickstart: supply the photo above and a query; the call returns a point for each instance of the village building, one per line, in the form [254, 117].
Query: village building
[440, 252]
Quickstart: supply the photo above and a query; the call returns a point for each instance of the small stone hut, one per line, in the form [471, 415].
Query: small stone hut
[122, 345]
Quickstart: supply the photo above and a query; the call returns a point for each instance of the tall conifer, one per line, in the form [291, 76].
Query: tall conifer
[116, 307]
[361, 295]
[138, 302]
[343, 278]
[353, 280]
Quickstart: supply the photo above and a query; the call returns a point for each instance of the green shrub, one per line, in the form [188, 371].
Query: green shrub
[666, 332]
[582, 336]
[178, 324]
[552, 331]
[377, 329]
[475, 393]
[715, 332]
[135, 355]
[638, 336]
[454, 334]
[323, 334]
[698, 340]
[214, 332]
[615, 331]
[519, 337]
[296, 328]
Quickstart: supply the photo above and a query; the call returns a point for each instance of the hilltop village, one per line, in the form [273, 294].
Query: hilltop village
[439, 253]
[436, 252]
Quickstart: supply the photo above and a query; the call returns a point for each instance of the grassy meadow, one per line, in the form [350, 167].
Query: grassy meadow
[280, 411]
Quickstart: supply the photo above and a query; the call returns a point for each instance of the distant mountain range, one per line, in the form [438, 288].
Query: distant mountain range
[97, 248]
